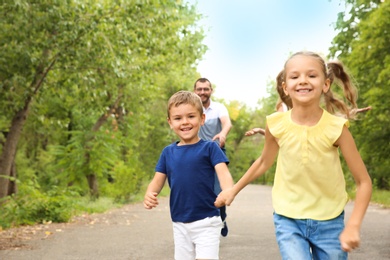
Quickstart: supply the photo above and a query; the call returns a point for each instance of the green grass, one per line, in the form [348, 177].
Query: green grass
[86, 205]
[381, 197]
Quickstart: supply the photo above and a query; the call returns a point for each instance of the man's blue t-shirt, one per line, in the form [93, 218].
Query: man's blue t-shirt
[190, 172]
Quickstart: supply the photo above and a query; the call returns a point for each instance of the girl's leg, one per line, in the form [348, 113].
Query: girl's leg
[291, 238]
[325, 239]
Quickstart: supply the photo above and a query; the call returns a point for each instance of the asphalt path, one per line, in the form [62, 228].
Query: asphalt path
[133, 233]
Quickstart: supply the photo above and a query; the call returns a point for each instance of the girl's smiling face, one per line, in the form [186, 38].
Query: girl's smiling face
[185, 120]
[304, 80]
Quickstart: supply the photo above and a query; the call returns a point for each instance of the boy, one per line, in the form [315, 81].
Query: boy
[190, 165]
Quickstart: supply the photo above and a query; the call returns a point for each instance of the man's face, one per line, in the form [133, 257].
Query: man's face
[203, 90]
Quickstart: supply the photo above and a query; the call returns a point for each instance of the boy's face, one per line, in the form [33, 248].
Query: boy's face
[185, 120]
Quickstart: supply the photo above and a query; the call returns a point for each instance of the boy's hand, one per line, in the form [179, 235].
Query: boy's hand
[226, 197]
[219, 202]
[349, 239]
[150, 200]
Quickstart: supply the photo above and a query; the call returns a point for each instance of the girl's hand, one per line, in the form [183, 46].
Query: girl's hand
[150, 200]
[350, 239]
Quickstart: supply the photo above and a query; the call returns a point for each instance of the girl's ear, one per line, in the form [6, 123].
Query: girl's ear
[284, 86]
[326, 86]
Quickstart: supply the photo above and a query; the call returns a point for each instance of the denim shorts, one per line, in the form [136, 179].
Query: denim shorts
[308, 239]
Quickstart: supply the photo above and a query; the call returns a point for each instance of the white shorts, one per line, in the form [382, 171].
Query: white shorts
[197, 240]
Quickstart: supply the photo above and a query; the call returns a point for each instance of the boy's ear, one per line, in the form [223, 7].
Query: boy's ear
[169, 122]
[203, 119]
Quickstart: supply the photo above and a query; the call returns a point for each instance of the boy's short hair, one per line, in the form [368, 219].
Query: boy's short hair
[185, 97]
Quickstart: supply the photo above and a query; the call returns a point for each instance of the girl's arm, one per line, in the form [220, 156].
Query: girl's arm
[350, 237]
[259, 167]
[154, 188]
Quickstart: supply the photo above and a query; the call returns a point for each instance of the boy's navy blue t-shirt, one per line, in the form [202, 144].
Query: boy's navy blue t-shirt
[190, 172]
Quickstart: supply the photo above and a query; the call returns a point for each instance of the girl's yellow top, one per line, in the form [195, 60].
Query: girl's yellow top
[309, 182]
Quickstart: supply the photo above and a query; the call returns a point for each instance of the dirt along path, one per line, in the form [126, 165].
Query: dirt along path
[133, 233]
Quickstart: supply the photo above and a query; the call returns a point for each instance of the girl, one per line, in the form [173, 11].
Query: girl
[309, 188]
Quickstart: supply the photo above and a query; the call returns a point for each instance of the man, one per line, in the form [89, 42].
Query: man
[215, 128]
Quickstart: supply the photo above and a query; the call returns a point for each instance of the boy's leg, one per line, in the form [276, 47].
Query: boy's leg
[184, 248]
[290, 235]
[325, 239]
[206, 237]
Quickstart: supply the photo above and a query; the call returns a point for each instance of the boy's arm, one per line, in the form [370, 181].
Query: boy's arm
[154, 188]
[350, 238]
[224, 176]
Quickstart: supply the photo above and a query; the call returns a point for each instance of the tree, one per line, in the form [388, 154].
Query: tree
[108, 54]
[363, 44]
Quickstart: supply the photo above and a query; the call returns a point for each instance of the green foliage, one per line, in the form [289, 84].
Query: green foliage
[95, 76]
[363, 45]
[101, 57]
[86, 205]
[31, 206]
[381, 197]
[241, 150]
[127, 178]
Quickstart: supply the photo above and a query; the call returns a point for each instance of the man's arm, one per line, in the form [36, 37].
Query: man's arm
[255, 130]
[226, 126]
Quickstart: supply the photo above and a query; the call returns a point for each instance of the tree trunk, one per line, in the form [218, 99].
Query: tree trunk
[12, 187]
[9, 150]
[93, 186]
[92, 180]
[91, 177]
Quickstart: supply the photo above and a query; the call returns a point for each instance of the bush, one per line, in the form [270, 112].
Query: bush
[36, 207]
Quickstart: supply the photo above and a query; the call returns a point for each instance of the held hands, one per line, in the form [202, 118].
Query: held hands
[226, 197]
[349, 239]
[150, 200]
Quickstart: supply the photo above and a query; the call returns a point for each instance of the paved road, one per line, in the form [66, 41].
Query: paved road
[133, 233]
